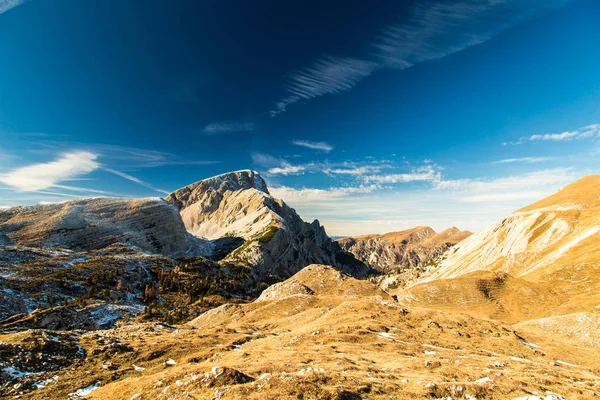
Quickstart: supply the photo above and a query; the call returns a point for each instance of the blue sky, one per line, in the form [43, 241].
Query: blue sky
[369, 117]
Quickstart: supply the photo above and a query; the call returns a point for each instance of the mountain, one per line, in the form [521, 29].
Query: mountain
[230, 217]
[119, 323]
[410, 248]
[541, 261]
[236, 212]
[150, 224]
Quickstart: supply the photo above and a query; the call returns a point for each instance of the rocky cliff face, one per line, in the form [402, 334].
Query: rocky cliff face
[411, 248]
[150, 224]
[271, 237]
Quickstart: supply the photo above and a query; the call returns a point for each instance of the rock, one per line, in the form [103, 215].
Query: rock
[222, 376]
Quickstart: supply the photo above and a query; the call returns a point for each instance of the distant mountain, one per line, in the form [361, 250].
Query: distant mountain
[410, 248]
[248, 226]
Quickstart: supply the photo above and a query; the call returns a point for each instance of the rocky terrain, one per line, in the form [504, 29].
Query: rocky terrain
[397, 251]
[517, 320]
[236, 208]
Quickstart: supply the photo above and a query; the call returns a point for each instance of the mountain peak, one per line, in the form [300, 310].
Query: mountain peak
[233, 181]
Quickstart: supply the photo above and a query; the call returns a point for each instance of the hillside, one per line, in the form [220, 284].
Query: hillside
[541, 261]
[321, 334]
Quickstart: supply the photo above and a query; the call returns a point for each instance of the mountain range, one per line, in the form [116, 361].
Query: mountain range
[221, 291]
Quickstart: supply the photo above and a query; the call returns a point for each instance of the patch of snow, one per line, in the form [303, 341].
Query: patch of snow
[386, 335]
[15, 373]
[85, 391]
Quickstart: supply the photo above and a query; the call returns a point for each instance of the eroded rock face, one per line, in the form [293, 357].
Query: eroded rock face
[401, 250]
[150, 224]
[276, 240]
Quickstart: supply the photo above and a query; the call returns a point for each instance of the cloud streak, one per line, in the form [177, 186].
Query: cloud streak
[215, 128]
[6, 5]
[527, 160]
[435, 29]
[532, 186]
[277, 166]
[422, 174]
[134, 179]
[45, 175]
[321, 146]
[585, 132]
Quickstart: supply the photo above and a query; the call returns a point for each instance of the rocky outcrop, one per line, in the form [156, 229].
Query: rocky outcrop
[411, 248]
[276, 241]
[150, 224]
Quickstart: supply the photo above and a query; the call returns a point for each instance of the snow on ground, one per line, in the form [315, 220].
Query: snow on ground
[85, 391]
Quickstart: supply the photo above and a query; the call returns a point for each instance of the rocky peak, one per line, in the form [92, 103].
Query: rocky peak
[231, 181]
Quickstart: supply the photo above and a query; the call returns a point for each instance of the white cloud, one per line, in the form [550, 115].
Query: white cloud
[6, 5]
[134, 179]
[42, 176]
[276, 166]
[309, 195]
[215, 128]
[530, 186]
[286, 169]
[322, 146]
[423, 174]
[581, 133]
[356, 171]
[527, 160]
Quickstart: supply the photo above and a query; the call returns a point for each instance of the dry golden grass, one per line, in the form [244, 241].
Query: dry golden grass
[330, 345]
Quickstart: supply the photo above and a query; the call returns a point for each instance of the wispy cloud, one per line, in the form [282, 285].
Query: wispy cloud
[355, 171]
[434, 29]
[527, 160]
[215, 128]
[277, 166]
[128, 157]
[308, 195]
[286, 169]
[585, 132]
[326, 75]
[134, 179]
[45, 175]
[531, 186]
[6, 5]
[427, 173]
[321, 146]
